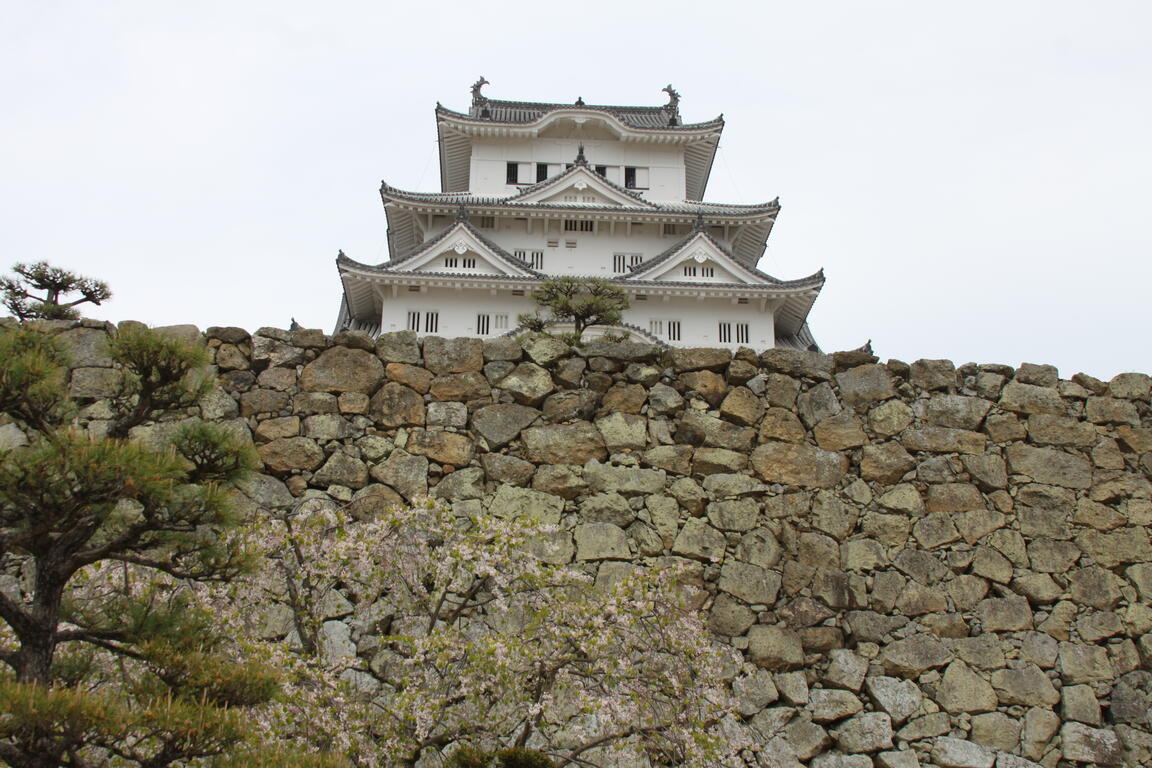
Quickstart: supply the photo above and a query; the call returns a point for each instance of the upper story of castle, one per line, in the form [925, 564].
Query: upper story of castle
[499, 147]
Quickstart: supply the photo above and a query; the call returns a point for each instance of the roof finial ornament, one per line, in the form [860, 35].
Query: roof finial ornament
[477, 97]
[461, 213]
[699, 226]
[673, 104]
[579, 101]
[580, 159]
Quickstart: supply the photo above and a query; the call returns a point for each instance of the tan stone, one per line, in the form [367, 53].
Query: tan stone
[341, 369]
[460, 387]
[962, 690]
[564, 444]
[781, 424]
[1027, 398]
[625, 398]
[708, 385]
[839, 432]
[1051, 466]
[795, 464]
[395, 405]
[286, 454]
[943, 440]
[742, 407]
[886, 463]
[419, 379]
[441, 447]
[1026, 685]
[775, 648]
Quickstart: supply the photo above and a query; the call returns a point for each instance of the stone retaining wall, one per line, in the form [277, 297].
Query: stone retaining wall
[931, 565]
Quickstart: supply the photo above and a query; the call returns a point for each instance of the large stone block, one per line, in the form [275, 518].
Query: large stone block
[395, 405]
[796, 464]
[1050, 466]
[564, 444]
[460, 355]
[340, 369]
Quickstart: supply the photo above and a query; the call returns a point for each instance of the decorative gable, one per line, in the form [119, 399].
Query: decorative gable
[580, 185]
[698, 259]
[462, 250]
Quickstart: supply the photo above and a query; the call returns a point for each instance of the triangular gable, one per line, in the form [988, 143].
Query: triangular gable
[699, 252]
[580, 185]
[449, 252]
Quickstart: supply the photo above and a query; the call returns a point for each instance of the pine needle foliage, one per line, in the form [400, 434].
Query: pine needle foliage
[53, 285]
[581, 301]
[108, 657]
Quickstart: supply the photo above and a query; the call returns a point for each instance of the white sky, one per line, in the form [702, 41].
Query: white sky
[975, 178]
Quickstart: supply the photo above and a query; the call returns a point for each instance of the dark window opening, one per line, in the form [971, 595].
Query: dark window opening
[541, 171]
[630, 178]
[602, 170]
[513, 173]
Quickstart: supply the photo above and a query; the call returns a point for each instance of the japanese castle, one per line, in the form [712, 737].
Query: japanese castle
[531, 191]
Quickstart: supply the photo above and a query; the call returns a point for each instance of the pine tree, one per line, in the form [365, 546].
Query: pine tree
[582, 301]
[54, 284]
[108, 654]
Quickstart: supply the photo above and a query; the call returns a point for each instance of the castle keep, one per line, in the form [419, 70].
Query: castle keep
[532, 190]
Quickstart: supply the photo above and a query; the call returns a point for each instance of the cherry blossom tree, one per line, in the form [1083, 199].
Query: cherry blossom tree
[468, 633]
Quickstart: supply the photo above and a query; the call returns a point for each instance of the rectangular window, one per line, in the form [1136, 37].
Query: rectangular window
[578, 225]
[689, 271]
[641, 297]
[673, 330]
[431, 322]
[741, 301]
[635, 178]
[622, 262]
[537, 261]
[569, 243]
[725, 333]
[451, 262]
[513, 173]
[482, 322]
[486, 222]
[541, 171]
[413, 320]
[500, 322]
[707, 272]
[553, 243]
[468, 263]
[741, 333]
[671, 229]
[656, 327]
[522, 255]
[602, 170]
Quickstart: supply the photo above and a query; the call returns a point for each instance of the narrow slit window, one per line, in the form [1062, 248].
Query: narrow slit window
[482, 323]
[741, 333]
[414, 320]
[431, 322]
[725, 333]
[656, 327]
[468, 263]
[673, 330]
[500, 322]
[541, 171]
[537, 261]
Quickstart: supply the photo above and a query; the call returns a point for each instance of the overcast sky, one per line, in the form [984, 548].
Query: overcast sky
[975, 178]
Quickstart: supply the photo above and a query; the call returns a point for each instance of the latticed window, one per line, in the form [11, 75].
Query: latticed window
[673, 330]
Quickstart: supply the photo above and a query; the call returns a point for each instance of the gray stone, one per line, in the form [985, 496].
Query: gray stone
[774, 648]
[827, 705]
[564, 444]
[734, 515]
[900, 699]
[627, 481]
[1082, 744]
[398, 347]
[512, 502]
[957, 411]
[446, 415]
[684, 359]
[623, 431]
[528, 384]
[890, 418]
[750, 583]
[94, 383]
[403, 472]
[847, 669]
[1027, 398]
[950, 752]
[698, 429]
[502, 423]
[1051, 466]
[864, 385]
[914, 655]
[459, 355]
[699, 541]
[340, 369]
[342, 469]
[864, 733]
[601, 541]
[664, 400]
[817, 404]
[467, 483]
[607, 508]
[754, 691]
[563, 480]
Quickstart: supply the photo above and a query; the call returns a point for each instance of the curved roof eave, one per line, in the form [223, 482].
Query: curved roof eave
[552, 112]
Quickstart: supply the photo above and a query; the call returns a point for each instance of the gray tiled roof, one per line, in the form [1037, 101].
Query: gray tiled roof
[662, 118]
[813, 280]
